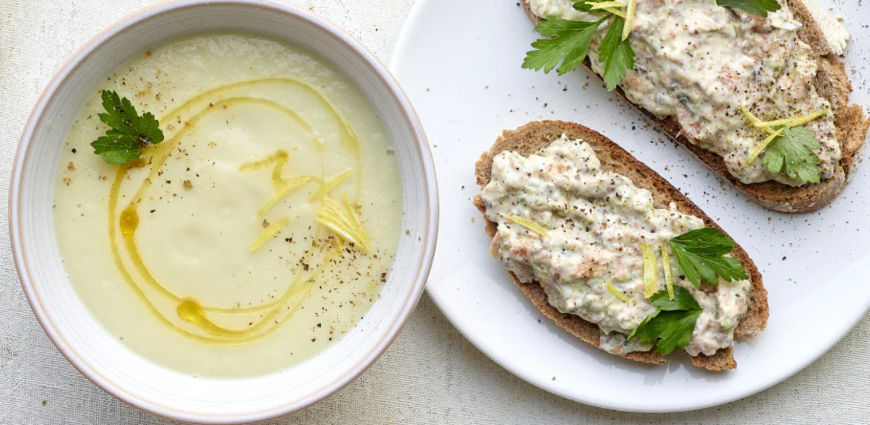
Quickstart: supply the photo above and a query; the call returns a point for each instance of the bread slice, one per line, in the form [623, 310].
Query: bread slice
[831, 82]
[537, 135]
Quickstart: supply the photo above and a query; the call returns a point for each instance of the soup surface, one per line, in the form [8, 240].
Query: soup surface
[257, 234]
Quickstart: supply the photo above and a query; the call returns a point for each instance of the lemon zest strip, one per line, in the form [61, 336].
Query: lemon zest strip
[613, 11]
[616, 292]
[650, 284]
[267, 233]
[331, 184]
[608, 4]
[666, 264]
[345, 222]
[794, 121]
[289, 185]
[530, 225]
[629, 18]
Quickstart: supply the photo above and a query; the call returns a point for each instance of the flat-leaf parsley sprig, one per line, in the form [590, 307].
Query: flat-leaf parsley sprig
[129, 131]
[570, 40]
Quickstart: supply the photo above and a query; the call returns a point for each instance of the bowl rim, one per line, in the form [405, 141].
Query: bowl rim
[385, 78]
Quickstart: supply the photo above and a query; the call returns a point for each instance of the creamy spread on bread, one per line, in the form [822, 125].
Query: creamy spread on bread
[595, 221]
[700, 63]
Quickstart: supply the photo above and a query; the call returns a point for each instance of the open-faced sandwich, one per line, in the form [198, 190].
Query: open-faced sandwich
[752, 88]
[611, 251]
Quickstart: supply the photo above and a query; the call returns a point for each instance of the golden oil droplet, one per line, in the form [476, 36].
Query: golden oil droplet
[129, 220]
[189, 311]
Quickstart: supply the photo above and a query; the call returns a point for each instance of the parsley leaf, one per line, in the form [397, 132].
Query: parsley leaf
[672, 324]
[616, 54]
[129, 132]
[793, 149]
[701, 255]
[116, 150]
[570, 40]
[683, 300]
[757, 7]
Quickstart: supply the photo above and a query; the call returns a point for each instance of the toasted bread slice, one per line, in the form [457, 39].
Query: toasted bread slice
[831, 82]
[537, 135]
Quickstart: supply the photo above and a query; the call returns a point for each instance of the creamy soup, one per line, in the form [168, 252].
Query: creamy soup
[261, 229]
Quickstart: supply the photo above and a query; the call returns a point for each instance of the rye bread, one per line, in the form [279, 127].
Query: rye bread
[537, 135]
[832, 83]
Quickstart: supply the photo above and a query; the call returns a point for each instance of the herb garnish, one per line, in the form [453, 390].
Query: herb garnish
[672, 323]
[616, 54]
[129, 132]
[756, 7]
[570, 39]
[793, 150]
[789, 146]
[701, 255]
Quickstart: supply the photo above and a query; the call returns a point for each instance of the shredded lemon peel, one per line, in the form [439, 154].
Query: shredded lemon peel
[528, 224]
[629, 18]
[267, 233]
[613, 11]
[344, 221]
[289, 185]
[616, 292]
[650, 269]
[785, 122]
[666, 265]
[326, 187]
[608, 4]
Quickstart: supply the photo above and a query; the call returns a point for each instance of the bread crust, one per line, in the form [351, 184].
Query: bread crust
[832, 83]
[537, 135]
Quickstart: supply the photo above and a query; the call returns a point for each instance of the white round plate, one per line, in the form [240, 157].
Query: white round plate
[459, 61]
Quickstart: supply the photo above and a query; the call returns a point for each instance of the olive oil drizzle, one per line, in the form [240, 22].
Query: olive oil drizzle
[188, 308]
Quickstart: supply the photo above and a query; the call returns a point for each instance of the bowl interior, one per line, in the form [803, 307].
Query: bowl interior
[99, 355]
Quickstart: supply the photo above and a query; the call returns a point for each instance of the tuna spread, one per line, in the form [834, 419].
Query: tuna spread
[699, 63]
[595, 221]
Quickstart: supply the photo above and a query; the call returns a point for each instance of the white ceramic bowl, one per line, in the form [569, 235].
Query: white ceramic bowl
[102, 358]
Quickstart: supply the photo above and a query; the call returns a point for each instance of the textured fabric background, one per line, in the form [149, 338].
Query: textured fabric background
[431, 374]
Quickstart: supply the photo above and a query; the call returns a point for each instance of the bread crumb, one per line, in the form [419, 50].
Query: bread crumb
[188, 185]
[71, 166]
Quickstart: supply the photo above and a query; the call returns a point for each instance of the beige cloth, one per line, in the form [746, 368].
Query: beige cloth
[431, 374]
